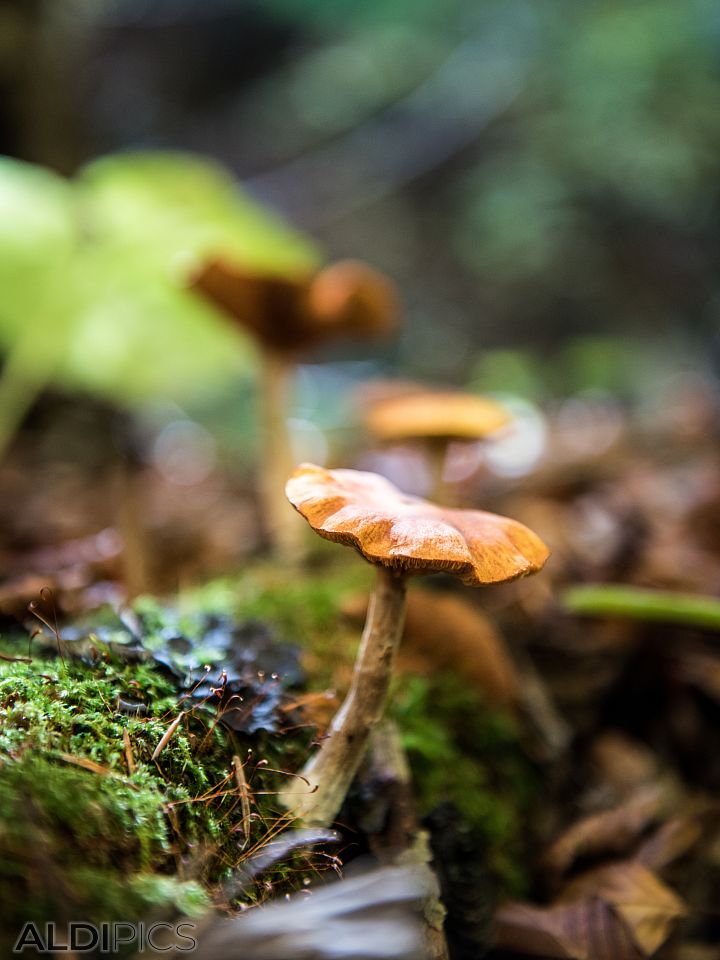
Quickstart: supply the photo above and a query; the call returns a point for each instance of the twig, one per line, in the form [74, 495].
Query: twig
[87, 764]
[129, 758]
[244, 797]
[167, 736]
[9, 659]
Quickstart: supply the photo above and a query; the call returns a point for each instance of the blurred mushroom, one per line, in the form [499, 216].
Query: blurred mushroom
[286, 316]
[400, 536]
[435, 418]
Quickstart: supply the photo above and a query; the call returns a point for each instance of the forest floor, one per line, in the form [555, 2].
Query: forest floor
[160, 681]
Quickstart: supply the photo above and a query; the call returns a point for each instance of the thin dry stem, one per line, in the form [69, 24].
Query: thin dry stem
[436, 450]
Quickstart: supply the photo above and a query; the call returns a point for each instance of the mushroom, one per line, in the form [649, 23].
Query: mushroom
[437, 418]
[287, 316]
[400, 535]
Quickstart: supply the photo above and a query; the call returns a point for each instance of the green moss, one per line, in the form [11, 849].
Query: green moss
[461, 751]
[83, 837]
[466, 754]
[101, 841]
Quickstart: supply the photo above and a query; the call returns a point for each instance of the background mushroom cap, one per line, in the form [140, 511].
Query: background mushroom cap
[266, 305]
[354, 297]
[294, 313]
[411, 535]
[449, 415]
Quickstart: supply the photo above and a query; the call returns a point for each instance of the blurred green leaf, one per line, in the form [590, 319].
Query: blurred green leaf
[138, 334]
[177, 208]
[508, 371]
[93, 277]
[37, 238]
[518, 217]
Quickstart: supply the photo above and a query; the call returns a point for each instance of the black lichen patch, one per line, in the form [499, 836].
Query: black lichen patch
[241, 670]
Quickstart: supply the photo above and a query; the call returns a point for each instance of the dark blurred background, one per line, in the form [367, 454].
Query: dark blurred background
[528, 173]
[539, 179]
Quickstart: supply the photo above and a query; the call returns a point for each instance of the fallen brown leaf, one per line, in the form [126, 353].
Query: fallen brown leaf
[586, 931]
[669, 842]
[610, 831]
[641, 900]
[617, 912]
[622, 763]
[701, 670]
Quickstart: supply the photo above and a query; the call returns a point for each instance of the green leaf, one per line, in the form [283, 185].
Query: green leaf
[138, 334]
[37, 237]
[93, 278]
[177, 208]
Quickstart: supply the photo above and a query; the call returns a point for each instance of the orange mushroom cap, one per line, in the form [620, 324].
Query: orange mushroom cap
[440, 414]
[353, 297]
[392, 529]
[294, 313]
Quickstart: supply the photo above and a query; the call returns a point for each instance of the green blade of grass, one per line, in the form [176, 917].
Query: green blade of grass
[636, 603]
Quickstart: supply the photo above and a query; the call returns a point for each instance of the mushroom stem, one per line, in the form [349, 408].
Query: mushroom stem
[331, 771]
[284, 528]
[437, 455]
[130, 515]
